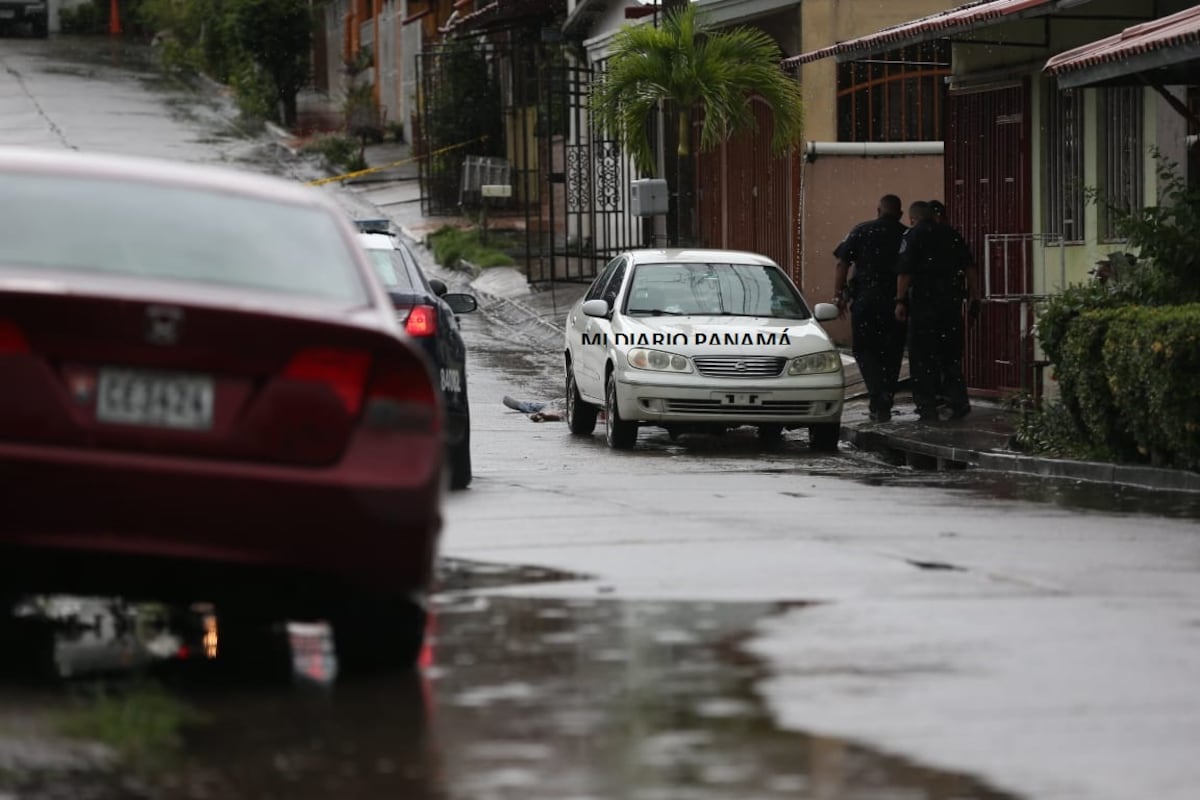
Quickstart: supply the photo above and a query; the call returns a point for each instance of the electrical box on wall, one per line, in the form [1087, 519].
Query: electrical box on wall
[648, 197]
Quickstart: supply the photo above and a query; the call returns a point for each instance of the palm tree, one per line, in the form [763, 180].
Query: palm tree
[691, 66]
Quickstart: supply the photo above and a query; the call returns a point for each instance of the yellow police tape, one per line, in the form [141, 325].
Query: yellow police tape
[381, 167]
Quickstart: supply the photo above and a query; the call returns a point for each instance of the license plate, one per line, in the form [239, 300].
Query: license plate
[159, 399]
[740, 398]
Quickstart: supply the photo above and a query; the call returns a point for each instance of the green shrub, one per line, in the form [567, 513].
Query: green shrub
[1051, 430]
[1152, 360]
[338, 149]
[254, 92]
[1084, 384]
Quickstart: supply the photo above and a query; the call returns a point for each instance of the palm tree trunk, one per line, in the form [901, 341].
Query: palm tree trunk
[685, 206]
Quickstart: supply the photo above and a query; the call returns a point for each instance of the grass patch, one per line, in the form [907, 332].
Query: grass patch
[451, 244]
[143, 724]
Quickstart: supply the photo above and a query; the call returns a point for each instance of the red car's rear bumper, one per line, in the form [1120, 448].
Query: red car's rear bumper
[371, 521]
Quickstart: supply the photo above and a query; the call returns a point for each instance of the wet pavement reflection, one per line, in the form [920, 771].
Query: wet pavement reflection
[591, 698]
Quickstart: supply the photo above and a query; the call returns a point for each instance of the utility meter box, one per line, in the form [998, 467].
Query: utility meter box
[495, 190]
[648, 197]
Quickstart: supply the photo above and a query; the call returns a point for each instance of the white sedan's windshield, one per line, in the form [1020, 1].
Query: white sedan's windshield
[753, 290]
[182, 233]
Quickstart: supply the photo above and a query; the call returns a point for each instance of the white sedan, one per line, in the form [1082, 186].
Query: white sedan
[701, 341]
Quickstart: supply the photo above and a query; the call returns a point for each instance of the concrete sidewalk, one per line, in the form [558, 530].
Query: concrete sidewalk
[983, 440]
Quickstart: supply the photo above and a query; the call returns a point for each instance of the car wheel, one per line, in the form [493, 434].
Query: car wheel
[581, 415]
[770, 435]
[619, 433]
[460, 461]
[374, 634]
[824, 437]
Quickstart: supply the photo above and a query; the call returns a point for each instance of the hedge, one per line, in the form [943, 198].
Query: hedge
[1131, 380]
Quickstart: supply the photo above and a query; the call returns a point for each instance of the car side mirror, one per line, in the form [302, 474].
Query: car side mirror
[596, 308]
[825, 312]
[439, 287]
[460, 303]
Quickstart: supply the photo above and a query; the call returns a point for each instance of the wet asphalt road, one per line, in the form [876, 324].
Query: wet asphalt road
[628, 666]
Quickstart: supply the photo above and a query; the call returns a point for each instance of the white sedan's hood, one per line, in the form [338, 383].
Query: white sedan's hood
[699, 335]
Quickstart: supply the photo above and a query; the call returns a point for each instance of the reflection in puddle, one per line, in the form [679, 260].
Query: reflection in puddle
[583, 698]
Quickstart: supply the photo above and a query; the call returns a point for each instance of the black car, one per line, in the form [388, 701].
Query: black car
[428, 312]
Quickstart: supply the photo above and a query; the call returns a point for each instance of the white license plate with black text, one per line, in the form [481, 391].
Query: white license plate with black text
[740, 398]
[159, 399]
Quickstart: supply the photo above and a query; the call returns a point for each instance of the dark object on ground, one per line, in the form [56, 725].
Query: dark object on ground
[545, 416]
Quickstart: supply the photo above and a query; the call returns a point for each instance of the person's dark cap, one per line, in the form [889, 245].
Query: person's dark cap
[936, 207]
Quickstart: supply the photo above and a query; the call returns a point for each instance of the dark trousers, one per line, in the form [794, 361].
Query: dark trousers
[935, 353]
[878, 348]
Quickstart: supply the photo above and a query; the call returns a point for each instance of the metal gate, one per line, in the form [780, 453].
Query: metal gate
[570, 182]
[745, 193]
[988, 193]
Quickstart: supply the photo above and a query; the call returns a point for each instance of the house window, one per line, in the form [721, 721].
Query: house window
[1121, 166]
[1064, 164]
[898, 97]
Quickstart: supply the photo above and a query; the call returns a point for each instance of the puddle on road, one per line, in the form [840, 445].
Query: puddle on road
[537, 699]
[542, 699]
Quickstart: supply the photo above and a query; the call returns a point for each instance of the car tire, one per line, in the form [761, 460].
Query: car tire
[581, 415]
[824, 437]
[620, 434]
[459, 457]
[378, 634]
[770, 435]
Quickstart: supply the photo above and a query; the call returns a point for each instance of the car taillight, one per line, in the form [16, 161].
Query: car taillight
[11, 339]
[343, 371]
[422, 321]
[401, 396]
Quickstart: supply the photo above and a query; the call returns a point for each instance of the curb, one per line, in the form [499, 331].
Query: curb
[925, 455]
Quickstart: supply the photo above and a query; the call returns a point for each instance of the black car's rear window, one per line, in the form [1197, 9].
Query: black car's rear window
[391, 269]
[184, 233]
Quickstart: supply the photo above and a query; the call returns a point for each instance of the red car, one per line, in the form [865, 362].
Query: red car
[205, 395]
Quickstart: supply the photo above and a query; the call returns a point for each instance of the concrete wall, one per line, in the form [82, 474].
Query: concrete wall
[838, 192]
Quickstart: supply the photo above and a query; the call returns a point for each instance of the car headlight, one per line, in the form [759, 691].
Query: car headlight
[657, 360]
[829, 361]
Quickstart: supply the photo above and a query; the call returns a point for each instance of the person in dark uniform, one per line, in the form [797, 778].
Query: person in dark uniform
[967, 276]
[929, 296]
[871, 249]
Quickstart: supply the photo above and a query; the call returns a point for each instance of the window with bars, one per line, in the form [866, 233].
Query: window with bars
[898, 97]
[1122, 165]
[1063, 151]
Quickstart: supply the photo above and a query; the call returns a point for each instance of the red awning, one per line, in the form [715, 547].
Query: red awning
[1151, 45]
[936, 26]
[411, 18]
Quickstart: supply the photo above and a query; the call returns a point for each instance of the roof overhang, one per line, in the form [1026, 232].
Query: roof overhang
[715, 12]
[501, 13]
[1161, 52]
[943, 25]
